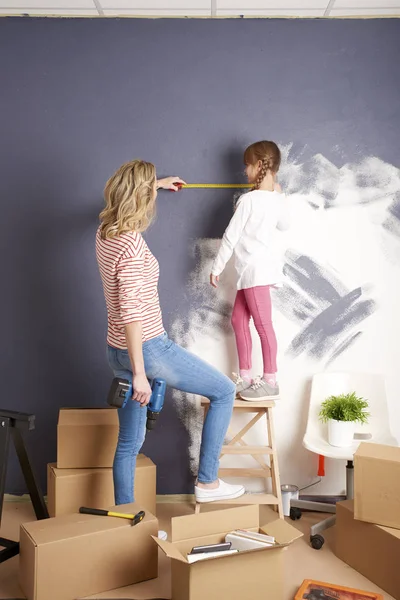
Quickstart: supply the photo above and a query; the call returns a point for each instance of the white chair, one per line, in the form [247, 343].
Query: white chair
[377, 430]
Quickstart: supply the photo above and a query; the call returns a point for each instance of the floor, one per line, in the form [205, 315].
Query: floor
[302, 562]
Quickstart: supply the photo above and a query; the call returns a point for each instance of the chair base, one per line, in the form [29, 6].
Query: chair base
[316, 539]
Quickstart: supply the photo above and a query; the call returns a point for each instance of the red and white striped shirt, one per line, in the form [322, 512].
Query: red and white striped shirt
[129, 273]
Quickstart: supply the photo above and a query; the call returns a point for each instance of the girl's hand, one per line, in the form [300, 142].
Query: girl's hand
[171, 183]
[141, 389]
[214, 279]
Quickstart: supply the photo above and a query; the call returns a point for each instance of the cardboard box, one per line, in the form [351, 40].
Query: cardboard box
[68, 489]
[78, 555]
[377, 484]
[253, 575]
[86, 437]
[372, 550]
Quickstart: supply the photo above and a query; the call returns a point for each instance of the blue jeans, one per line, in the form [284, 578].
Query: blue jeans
[183, 371]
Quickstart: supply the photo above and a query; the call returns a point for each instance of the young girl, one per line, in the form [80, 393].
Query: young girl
[250, 237]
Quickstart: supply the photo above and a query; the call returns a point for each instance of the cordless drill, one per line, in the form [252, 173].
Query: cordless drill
[121, 391]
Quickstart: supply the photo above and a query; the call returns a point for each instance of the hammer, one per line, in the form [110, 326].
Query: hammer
[108, 513]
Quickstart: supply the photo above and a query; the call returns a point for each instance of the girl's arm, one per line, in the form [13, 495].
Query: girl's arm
[231, 237]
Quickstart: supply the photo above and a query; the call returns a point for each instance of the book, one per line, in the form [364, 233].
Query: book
[320, 590]
[261, 537]
[191, 558]
[243, 543]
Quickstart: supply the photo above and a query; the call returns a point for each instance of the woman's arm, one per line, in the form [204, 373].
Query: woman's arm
[141, 386]
[130, 281]
[170, 183]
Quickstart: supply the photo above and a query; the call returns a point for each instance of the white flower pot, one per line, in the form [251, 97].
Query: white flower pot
[341, 433]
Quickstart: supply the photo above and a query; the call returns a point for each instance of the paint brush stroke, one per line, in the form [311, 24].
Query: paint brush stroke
[392, 222]
[325, 185]
[326, 330]
[349, 341]
[315, 295]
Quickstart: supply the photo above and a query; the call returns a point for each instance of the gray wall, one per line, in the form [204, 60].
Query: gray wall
[81, 96]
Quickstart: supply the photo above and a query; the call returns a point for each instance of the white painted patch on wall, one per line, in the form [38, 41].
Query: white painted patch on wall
[338, 309]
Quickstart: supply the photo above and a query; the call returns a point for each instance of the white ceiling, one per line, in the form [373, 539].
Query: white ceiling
[203, 8]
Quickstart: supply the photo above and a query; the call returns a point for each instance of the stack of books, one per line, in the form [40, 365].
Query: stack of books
[239, 540]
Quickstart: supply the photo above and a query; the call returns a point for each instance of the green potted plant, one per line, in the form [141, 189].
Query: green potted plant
[342, 413]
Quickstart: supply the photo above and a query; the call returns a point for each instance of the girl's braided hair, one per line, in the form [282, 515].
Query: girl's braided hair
[269, 155]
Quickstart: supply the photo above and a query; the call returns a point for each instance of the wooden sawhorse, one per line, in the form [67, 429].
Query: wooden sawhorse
[238, 446]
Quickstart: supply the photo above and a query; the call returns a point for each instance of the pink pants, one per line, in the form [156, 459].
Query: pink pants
[254, 302]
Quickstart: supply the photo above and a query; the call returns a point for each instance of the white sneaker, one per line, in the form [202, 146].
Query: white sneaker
[225, 491]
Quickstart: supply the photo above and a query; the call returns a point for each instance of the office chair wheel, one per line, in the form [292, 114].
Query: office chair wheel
[317, 541]
[295, 514]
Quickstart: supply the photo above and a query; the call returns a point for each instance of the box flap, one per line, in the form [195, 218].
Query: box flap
[87, 416]
[169, 549]
[144, 461]
[219, 521]
[283, 532]
[64, 527]
[79, 472]
[378, 451]
[346, 505]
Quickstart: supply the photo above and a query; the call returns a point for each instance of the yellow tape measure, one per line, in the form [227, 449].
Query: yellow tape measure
[217, 185]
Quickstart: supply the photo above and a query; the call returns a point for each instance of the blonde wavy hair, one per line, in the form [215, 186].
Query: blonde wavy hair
[130, 199]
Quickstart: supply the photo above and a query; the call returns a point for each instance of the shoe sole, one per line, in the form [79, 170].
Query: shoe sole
[274, 397]
[226, 497]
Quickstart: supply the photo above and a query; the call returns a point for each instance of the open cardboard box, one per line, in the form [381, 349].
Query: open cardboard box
[252, 574]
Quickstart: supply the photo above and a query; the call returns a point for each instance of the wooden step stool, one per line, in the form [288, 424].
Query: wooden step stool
[265, 470]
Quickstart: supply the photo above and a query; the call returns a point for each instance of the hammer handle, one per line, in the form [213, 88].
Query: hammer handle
[93, 511]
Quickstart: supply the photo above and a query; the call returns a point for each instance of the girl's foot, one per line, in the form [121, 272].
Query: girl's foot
[260, 390]
[223, 491]
[241, 384]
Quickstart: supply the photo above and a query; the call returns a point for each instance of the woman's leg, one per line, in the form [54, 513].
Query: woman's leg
[185, 371]
[259, 302]
[132, 430]
[240, 322]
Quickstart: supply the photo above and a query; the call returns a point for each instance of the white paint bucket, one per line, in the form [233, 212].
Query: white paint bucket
[288, 492]
[341, 433]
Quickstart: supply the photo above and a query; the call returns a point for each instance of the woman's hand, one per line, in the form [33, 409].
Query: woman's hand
[171, 183]
[141, 389]
[214, 279]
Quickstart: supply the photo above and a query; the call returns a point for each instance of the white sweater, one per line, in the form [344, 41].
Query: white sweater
[251, 238]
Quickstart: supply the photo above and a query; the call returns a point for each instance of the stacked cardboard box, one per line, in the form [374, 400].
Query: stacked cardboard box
[82, 476]
[71, 555]
[368, 527]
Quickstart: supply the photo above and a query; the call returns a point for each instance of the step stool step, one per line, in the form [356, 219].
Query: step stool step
[251, 499]
[246, 450]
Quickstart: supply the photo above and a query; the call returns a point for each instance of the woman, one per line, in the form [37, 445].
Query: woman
[137, 344]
